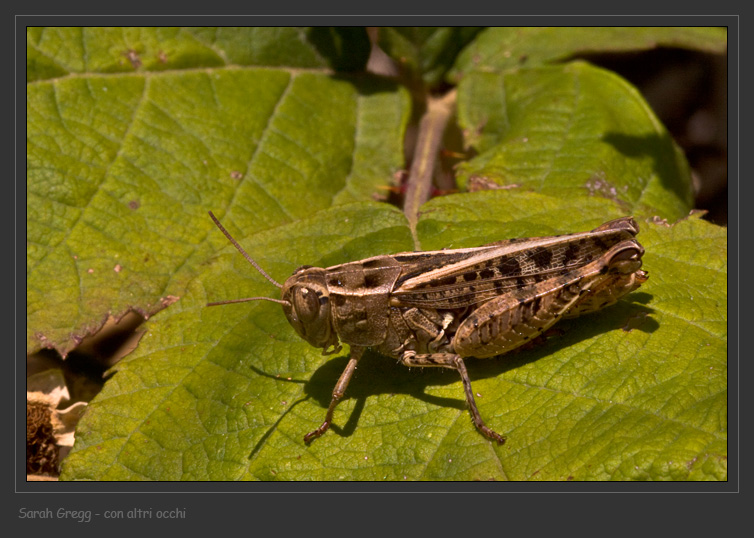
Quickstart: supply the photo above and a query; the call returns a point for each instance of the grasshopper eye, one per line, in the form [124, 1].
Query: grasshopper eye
[306, 304]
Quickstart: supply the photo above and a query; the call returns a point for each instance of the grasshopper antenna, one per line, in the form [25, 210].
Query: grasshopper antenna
[242, 251]
[249, 299]
[252, 262]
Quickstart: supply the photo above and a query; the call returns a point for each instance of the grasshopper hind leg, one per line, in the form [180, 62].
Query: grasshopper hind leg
[455, 362]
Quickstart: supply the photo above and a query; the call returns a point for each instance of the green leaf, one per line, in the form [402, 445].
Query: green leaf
[198, 370]
[57, 51]
[225, 393]
[427, 51]
[506, 48]
[572, 130]
[122, 169]
[157, 126]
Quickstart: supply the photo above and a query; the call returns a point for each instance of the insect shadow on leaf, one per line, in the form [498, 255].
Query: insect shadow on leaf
[375, 376]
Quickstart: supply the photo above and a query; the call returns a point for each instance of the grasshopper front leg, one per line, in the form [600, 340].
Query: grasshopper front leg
[337, 393]
[451, 360]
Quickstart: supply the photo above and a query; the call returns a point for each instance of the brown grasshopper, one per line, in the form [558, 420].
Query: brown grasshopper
[435, 308]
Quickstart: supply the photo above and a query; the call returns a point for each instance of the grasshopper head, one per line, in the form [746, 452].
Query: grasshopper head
[307, 307]
[305, 300]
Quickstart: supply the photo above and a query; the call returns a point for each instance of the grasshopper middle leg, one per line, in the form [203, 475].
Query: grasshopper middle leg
[451, 360]
[337, 393]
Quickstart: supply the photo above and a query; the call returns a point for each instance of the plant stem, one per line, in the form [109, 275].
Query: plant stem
[431, 130]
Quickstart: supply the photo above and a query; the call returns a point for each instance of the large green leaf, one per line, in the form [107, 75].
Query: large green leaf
[506, 48]
[123, 167]
[572, 130]
[158, 126]
[636, 392]
[59, 51]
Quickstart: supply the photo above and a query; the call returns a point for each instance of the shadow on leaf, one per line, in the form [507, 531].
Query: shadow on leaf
[658, 148]
[378, 374]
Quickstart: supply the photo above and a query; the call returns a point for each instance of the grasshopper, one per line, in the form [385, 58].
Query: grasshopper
[436, 308]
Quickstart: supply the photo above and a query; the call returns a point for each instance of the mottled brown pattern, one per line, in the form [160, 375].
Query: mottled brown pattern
[435, 308]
